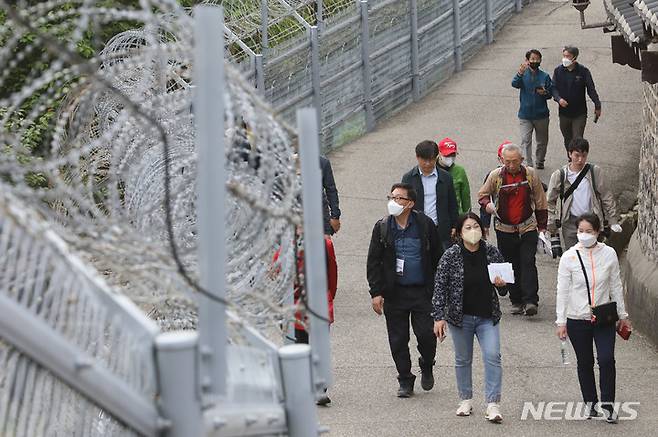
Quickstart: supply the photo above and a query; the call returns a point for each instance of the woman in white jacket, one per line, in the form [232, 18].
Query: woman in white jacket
[574, 313]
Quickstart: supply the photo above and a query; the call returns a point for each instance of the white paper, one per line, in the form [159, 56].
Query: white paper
[543, 245]
[504, 270]
[399, 266]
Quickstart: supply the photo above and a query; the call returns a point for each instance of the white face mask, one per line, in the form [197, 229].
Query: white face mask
[472, 236]
[587, 240]
[566, 62]
[394, 208]
[448, 161]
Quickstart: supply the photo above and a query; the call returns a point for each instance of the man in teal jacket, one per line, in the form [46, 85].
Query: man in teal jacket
[448, 153]
[536, 88]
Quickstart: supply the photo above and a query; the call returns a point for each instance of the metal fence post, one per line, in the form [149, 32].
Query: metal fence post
[366, 72]
[301, 412]
[211, 181]
[260, 73]
[413, 17]
[457, 36]
[488, 13]
[318, 14]
[519, 5]
[315, 72]
[315, 263]
[177, 373]
[264, 23]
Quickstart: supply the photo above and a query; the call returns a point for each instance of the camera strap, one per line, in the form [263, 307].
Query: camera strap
[598, 196]
[565, 194]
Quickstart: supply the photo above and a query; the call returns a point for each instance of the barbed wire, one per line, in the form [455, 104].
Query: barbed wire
[118, 176]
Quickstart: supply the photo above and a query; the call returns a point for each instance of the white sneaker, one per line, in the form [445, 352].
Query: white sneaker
[465, 407]
[493, 413]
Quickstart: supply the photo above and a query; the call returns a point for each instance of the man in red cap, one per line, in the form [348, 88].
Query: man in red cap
[448, 154]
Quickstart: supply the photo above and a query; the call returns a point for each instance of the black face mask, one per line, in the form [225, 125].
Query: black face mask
[534, 65]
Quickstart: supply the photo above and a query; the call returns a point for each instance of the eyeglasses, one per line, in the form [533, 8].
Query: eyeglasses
[396, 198]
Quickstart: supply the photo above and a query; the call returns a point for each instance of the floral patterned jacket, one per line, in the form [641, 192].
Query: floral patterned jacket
[448, 297]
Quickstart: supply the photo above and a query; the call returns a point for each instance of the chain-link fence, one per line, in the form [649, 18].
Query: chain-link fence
[364, 60]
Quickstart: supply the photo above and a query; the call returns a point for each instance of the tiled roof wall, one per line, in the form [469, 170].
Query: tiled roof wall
[628, 22]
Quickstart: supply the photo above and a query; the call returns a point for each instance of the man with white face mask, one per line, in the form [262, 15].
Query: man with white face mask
[570, 81]
[402, 258]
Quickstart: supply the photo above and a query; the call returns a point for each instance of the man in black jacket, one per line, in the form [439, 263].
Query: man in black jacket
[402, 259]
[329, 198]
[570, 81]
[436, 194]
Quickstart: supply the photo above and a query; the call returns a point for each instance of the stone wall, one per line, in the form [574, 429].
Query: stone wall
[641, 261]
[647, 227]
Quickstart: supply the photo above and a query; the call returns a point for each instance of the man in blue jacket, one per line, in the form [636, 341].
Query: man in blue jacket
[536, 88]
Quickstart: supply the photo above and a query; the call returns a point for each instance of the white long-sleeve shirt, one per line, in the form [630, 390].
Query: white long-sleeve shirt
[602, 268]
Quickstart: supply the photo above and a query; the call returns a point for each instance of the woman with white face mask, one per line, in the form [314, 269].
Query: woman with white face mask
[467, 301]
[588, 277]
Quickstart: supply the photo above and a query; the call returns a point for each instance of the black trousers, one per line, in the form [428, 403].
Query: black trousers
[582, 334]
[301, 336]
[520, 250]
[410, 303]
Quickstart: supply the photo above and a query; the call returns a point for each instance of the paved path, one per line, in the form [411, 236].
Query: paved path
[477, 108]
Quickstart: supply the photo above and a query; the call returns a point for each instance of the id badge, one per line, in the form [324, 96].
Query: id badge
[399, 266]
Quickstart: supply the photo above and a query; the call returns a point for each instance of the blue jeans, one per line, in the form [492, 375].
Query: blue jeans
[488, 336]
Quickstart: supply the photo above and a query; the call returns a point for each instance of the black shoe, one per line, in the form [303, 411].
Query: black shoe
[531, 309]
[610, 414]
[406, 389]
[426, 375]
[592, 413]
[323, 401]
[540, 166]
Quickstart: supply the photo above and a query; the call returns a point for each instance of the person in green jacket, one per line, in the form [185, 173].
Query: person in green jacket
[447, 154]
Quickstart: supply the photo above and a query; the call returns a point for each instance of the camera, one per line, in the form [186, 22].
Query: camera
[556, 246]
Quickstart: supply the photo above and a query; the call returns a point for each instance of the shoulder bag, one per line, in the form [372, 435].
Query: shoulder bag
[602, 315]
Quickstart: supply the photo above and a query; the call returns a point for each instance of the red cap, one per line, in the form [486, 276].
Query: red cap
[500, 148]
[447, 147]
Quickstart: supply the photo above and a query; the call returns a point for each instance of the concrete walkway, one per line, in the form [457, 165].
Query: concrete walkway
[477, 108]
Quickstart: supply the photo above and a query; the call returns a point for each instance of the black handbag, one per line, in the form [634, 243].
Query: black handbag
[602, 315]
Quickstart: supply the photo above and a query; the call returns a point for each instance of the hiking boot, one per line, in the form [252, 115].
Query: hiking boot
[406, 388]
[426, 375]
[493, 413]
[465, 407]
[517, 308]
[531, 309]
